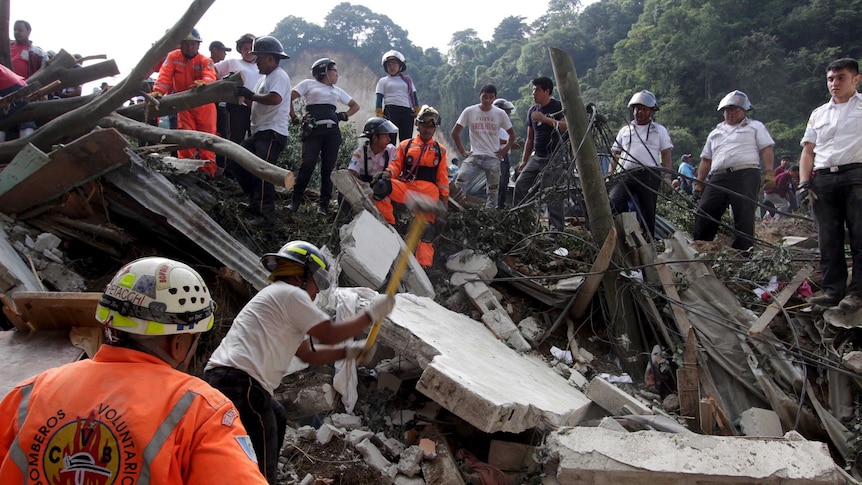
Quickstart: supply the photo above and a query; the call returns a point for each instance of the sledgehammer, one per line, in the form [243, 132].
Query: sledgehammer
[421, 205]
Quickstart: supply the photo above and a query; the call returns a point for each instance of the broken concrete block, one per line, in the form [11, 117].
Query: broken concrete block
[613, 399]
[578, 380]
[441, 470]
[495, 316]
[388, 381]
[368, 250]
[530, 329]
[511, 456]
[584, 455]
[410, 461]
[393, 447]
[853, 361]
[345, 421]
[405, 480]
[474, 375]
[46, 240]
[472, 262]
[63, 279]
[612, 424]
[428, 411]
[376, 460]
[760, 422]
[326, 432]
[355, 436]
[315, 399]
[401, 417]
[308, 433]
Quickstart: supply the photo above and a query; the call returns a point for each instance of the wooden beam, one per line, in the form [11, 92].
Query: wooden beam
[778, 302]
[679, 315]
[591, 283]
[688, 386]
[57, 310]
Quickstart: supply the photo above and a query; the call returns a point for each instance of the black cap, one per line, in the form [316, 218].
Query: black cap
[217, 44]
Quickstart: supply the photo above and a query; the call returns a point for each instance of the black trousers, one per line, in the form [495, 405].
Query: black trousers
[402, 117]
[640, 187]
[322, 144]
[839, 198]
[266, 144]
[262, 415]
[740, 192]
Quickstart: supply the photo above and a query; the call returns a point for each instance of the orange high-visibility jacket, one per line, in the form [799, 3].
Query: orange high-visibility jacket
[431, 160]
[178, 73]
[124, 417]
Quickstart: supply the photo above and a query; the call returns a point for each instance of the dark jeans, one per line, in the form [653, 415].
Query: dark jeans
[741, 194]
[839, 198]
[402, 117]
[642, 186]
[527, 179]
[323, 142]
[262, 415]
[267, 145]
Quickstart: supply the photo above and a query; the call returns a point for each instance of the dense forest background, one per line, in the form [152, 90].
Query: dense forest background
[690, 53]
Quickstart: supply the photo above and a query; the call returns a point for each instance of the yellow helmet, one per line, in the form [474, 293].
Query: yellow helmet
[427, 114]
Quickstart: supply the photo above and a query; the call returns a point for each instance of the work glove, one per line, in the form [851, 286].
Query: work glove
[157, 94]
[342, 115]
[243, 92]
[353, 349]
[380, 306]
[378, 112]
[804, 194]
[666, 183]
[769, 180]
[198, 83]
[698, 191]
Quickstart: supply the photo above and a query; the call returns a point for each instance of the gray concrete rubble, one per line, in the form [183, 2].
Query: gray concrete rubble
[613, 399]
[476, 376]
[584, 455]
[760, 422]
[369, 248]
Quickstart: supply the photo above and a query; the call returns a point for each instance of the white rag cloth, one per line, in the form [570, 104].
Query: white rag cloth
[346, 378]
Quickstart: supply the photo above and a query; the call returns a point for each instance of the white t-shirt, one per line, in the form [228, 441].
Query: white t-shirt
[316, 92]
[267, 332]
[484, 128]
[736, 146]
[375, 162]
[274, 117]
[395, 91]
[640, 146]
[836, 132]
[250, 74]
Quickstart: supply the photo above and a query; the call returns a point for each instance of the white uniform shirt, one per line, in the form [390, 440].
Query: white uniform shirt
[274, 117]
[250, 74]
[484, 128]
[640, 146]
[316, 92]
[736, 146]
[395, 91]
[375, 162]
[267, 332]
[836, 132]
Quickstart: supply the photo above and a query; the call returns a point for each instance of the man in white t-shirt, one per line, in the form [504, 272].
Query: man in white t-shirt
[483, 121]
[270, 121]
[270, 330]
[642, 149]
[239, 114]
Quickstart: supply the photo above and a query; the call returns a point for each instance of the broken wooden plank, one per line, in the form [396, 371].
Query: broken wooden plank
[779, 301]
[682, 321]
[25, 163]
[72, 165]
[707, 416]
[688, 386]
[57, 310]
[12, 314]
[591, 285]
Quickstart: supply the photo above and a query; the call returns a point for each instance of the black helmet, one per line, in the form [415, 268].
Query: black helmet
[378, 126]
[268, 45]
[320, 66]
[303, 253]
[245, 39]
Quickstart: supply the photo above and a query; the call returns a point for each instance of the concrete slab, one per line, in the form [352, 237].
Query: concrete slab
[476, 376]
[23, 356]
[584, 455]
[613, 399]
[760, 422]
[369, 248]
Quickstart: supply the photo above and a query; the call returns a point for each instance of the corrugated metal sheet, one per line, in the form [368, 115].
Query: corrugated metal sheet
[159, 195]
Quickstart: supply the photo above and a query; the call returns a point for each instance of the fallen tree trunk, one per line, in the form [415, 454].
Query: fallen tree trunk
[197, 139]
[75, 123]
[44, 111]
[76, 76]
[51, 71]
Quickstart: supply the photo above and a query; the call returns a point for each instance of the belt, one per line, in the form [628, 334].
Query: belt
[839, 168]
[734, 169]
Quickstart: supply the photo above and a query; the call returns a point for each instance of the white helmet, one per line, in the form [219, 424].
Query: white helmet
[504, 104]
[156, 296]
[645, 98]
[393, 54]
[735, 98]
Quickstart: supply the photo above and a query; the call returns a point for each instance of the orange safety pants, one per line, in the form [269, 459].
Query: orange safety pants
[425, 251]
[201, 118]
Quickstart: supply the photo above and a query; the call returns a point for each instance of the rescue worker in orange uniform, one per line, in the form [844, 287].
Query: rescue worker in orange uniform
[419, 166]
[131, 415]
[184, 69]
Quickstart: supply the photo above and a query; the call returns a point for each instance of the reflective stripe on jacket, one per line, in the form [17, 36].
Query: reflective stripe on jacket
[178, 73]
